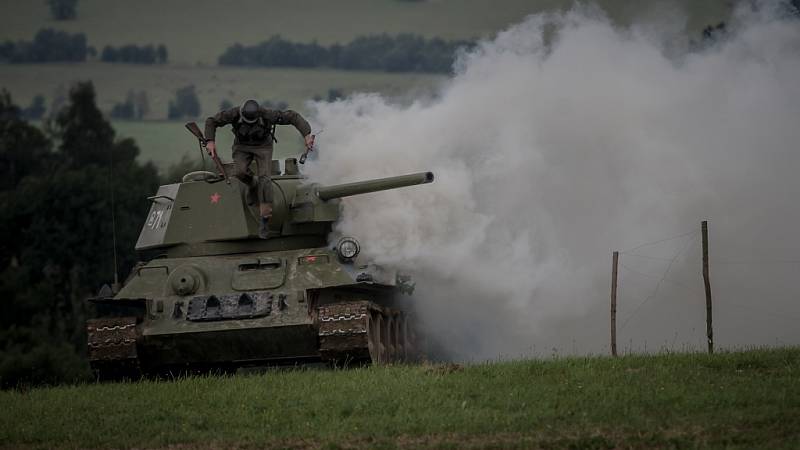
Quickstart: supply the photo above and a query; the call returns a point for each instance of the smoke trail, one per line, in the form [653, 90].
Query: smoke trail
[565, 138]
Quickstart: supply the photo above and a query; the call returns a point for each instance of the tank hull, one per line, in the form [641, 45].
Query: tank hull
[222, 313]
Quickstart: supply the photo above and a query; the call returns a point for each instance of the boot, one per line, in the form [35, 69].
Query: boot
[263, 229]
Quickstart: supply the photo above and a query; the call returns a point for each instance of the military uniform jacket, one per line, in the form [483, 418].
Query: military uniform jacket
[258, 134]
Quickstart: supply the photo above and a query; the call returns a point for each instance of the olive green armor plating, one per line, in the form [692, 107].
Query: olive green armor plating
[209, 294]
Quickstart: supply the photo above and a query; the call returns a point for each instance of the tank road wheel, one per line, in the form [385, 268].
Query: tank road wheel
[391, 339]
[402, 338]
[373, 338]
[412, 353]
[378, 339]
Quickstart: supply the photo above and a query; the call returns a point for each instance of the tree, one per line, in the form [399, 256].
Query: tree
[85, 134]
[335, 94]
[161, 54]
[36, 109]
[135, 106]
[24, 149]
[185, 104]
[63, 9]
[55, 239]
[141, 104]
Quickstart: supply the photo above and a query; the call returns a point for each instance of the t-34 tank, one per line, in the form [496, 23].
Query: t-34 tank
[210, 295]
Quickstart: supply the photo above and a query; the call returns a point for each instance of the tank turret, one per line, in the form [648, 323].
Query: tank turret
[201, 216]
[209, 294]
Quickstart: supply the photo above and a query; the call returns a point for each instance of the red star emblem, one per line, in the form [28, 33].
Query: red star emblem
[215, 198]
[311, 258]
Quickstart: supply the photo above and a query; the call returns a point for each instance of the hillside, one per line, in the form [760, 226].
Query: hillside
[746, 399]
[199, 30]
[196, 32]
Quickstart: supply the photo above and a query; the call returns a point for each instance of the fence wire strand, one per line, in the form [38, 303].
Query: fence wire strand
[663, 277]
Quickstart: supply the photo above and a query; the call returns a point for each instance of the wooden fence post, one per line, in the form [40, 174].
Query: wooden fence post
[615, 259]
[707, 281]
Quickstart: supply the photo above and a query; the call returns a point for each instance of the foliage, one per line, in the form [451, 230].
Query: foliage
[186, 104]
[135, 107]
[56, 241]
[36, 110]
[189, 162]
[48, 45]
[24, 149]
[727, 400]
[401, 53]
[134, 54]
[63, 9]
[335, 94]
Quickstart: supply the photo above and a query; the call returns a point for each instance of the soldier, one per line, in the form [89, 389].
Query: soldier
[254, 131]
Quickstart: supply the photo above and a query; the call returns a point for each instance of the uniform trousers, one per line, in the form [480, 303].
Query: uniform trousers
[260, 184]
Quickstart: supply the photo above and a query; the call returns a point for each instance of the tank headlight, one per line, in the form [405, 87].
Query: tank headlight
[348, 248]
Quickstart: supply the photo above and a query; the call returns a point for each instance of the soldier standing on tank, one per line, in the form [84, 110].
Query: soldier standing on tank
[254, 131]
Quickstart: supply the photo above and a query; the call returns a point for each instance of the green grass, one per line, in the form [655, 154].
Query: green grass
[166, 142]
[731, 400]
[213, 84]
[200, 30]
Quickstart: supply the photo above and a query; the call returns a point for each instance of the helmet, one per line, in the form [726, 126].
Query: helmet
[249, 111]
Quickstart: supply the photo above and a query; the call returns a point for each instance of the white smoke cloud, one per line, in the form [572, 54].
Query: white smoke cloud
[549, 153]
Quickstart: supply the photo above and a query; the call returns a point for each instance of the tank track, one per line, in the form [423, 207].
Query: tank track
[364, 332]
[112, 348]
[354, 332]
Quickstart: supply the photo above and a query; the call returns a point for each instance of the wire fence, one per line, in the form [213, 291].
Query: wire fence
[631, 275]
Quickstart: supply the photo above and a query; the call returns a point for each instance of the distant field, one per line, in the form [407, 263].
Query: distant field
[164, 142]
[113, 81]
[740, 400]
[199, 30]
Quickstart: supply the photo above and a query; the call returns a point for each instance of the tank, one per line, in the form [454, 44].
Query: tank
[209, 294]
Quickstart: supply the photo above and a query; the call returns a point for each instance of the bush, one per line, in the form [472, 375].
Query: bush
[135, 106]
[189, 162]
[335, 94]
[36, 109]
[185, 104]
[63, 9]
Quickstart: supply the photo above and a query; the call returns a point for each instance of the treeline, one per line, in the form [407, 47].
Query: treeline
[135, 54]
[49, 45]
[56, 235]
[401, 53]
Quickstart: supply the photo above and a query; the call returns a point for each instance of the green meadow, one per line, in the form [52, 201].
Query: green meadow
[748, 399]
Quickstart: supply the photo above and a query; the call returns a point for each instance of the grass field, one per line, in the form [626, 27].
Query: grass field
[732, 400]
[164, 142]
[213, 84]
[196, 32]
[200, 30]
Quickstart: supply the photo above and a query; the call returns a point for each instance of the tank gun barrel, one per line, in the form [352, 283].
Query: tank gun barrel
[379, 184]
